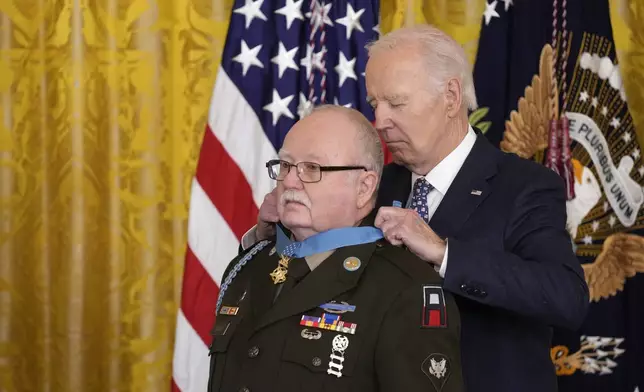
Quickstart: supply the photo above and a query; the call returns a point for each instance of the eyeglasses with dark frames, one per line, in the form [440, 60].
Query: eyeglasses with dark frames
[308, 172]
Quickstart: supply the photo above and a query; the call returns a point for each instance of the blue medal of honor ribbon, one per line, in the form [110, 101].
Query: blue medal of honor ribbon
[328, 240]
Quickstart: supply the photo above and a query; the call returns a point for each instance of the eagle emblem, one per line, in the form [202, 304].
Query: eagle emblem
[596, 355]
[607, 171]
[437, 368]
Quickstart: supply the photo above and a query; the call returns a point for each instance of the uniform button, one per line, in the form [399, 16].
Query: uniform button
[316, 361]
[482, 293]
[465, 288]
[253, 352]
[244, 389]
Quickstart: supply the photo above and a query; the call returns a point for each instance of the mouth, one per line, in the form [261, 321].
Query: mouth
[293, 203]
[394, 144]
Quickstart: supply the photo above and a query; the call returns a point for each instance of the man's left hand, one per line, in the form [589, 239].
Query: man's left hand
[403, 226]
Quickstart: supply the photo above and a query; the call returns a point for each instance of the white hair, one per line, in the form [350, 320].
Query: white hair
[444, 57]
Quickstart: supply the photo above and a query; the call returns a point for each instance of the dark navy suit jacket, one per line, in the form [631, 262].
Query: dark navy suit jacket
[510, 263]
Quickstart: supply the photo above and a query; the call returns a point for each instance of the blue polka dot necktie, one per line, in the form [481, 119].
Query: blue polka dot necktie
[419, 198]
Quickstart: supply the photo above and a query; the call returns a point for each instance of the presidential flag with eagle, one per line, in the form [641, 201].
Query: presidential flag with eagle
[551, 90]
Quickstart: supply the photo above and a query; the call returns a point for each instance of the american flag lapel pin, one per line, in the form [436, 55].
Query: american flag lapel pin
[476, 192]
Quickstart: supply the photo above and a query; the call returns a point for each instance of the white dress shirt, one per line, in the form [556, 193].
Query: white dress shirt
[441, 177]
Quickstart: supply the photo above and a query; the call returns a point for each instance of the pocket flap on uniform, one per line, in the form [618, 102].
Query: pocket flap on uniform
[223, 332]
[315, 349]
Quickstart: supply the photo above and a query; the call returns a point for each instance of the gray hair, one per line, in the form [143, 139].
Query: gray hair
[444, 57]
[367, 137]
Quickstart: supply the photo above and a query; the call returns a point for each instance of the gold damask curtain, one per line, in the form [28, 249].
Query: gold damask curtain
[103, 105]
[102, 109]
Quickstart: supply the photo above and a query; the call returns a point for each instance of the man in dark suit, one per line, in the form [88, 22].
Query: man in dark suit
[353, 313]
[492, 224]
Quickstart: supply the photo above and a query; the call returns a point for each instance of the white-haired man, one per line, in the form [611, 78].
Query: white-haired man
[346, 312]
[492, 224]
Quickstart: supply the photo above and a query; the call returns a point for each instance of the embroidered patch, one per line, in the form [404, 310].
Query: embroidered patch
[434, 311]
[438, 368]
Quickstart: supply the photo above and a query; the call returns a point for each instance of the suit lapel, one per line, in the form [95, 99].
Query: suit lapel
[326, 282]
[469, 188]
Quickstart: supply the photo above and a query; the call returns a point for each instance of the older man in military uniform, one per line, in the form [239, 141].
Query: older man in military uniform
[328, 305]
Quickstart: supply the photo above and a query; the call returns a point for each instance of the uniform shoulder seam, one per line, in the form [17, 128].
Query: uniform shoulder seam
[408, 268]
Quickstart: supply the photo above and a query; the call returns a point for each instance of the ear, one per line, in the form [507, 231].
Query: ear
[453, 97]
[367, 184]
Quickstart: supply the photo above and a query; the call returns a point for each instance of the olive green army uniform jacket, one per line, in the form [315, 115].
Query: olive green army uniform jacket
[370, 317]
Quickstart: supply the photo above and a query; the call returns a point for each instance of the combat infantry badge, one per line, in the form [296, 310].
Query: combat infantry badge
[438, 369]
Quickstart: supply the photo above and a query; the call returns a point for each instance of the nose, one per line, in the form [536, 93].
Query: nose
[383, 119]
[292, 181]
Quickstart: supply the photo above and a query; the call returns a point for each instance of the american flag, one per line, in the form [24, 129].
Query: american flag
[281, 58]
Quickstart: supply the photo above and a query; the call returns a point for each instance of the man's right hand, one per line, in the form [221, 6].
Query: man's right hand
[267, 216]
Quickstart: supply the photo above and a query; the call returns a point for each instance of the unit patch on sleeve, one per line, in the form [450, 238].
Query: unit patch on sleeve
[434, 311]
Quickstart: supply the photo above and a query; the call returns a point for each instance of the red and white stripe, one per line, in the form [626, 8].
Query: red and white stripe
[230, 183]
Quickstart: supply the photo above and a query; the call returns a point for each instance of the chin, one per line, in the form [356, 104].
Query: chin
[398, 159]
[292, 220]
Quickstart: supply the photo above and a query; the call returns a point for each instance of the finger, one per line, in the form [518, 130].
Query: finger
[270, 201]
[268, 214]
[393, 233]
[393, 238]
[387, 213]
[271, 218]
[388, 225]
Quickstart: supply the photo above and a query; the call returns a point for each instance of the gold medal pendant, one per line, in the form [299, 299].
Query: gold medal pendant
[279, 273]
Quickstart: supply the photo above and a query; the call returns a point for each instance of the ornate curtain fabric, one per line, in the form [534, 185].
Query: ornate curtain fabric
[103, 105]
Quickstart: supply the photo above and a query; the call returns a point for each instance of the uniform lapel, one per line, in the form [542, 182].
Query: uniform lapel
[468, 190]
[326, 282]
[262, 288]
